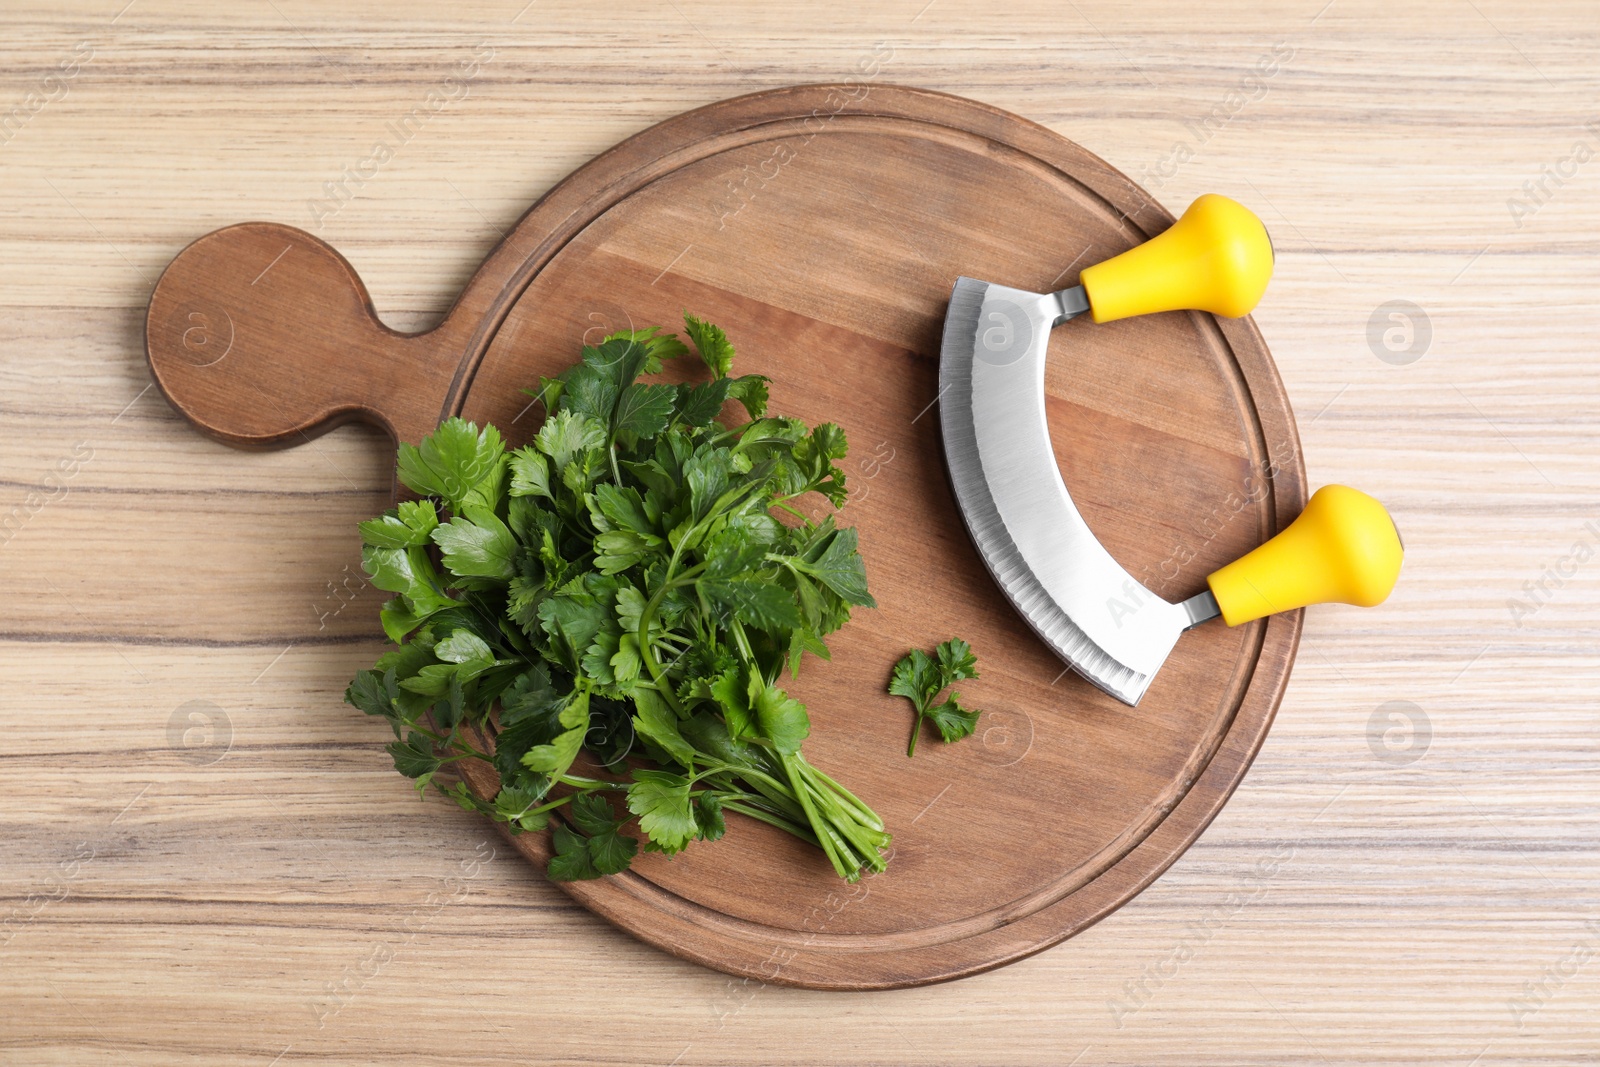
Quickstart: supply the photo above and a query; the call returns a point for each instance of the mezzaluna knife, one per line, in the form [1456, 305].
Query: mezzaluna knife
[1343, 548]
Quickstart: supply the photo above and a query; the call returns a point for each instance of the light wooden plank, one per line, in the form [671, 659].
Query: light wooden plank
[1408, 906]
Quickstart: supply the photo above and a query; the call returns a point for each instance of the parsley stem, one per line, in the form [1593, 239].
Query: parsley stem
[743, 641]
[647, 650]
[796, 512]
[750, 774]
[852, 870]
[580, 782]
[662, 688]
[470, 751]
[554, 804]
[861, 839]
[799, 830]
[825, 837]
[780, 797]
[865, 814]
[453, 745]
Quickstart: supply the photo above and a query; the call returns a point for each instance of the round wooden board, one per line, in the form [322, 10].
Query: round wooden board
[822, 227]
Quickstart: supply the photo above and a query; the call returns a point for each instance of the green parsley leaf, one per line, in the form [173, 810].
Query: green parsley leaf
[658, 346]
[530, 473]
[592, 390]
[369, 693]
[398, 620]
[556, 757]
[572, 862]
[915, 678]
[619, 359]
[451, 462]
[733, 551]
[699, 404]
[401, 570]
[661, 800]
[405, 526]
[645, 409]
[751, 391]
[623, 509]
[566, 435]
[479, 545]
[841, 569]
[462, 646]
[715, 350]
[611, 853]
[732, 695]
[414, 756]
[920, 678]
[709, 822]
[954, 721]
[656, 723]
[593, 845]
[707, 473]
[754, 601]
[573, 617]
[591, 814]
[514, 805]
[782, 719]
[956, 660]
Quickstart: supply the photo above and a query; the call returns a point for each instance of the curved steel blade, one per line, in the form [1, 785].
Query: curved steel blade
[1092, 612]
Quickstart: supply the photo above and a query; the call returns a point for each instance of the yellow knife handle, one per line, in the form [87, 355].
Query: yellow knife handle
[1343, 549]
[1216, 258]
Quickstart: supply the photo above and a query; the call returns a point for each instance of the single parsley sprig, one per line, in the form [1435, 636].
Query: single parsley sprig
[920, 678]
[621, 586]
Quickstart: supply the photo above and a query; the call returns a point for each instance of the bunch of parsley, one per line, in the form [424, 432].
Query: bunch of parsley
[621, 586]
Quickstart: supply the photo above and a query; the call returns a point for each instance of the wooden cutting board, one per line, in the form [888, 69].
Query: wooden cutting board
[822, 227]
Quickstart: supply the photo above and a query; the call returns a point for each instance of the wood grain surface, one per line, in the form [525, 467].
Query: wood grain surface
[830, 270]
[205, 859]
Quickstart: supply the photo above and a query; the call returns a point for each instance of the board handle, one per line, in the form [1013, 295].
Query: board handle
[263, 337]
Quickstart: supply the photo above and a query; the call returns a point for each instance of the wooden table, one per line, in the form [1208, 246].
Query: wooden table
[206, 858]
